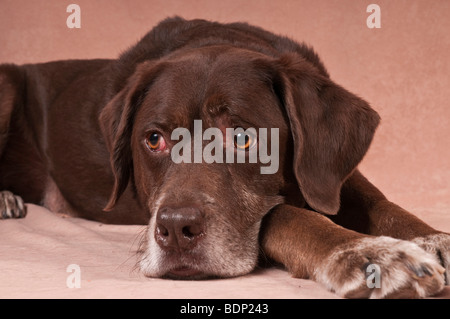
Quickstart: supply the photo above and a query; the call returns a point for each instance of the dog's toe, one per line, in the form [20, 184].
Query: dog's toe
[402, 269]
[11, 206]
[438, 245]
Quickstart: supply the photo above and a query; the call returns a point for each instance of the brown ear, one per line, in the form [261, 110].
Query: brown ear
[116, 121]
[332, 130]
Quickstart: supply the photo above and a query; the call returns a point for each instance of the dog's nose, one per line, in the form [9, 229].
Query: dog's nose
[179, 228]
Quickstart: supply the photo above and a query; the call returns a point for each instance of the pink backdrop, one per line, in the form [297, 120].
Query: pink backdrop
[401, 69]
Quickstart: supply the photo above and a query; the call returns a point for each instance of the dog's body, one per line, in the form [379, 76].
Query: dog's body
[75, 136]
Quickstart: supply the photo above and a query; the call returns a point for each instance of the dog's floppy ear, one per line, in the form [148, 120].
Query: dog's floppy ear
[116, 121]
[332, 130]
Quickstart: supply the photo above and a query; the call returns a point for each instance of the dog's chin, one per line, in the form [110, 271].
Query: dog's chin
[187, 269]
[187, 273]
[195, 271]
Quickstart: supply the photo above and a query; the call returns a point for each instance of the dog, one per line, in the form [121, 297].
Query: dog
[94, 139]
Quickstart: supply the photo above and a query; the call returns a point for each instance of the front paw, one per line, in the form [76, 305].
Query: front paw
[438, 245]
[405, 270]
[11, 206]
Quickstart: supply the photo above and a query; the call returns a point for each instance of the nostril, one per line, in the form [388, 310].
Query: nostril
[162, 231]
[186, 232]
[192, 231]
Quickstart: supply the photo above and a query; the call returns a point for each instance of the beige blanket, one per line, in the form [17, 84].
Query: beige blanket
[44, 256]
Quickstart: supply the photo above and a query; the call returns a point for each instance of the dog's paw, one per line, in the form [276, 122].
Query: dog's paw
[381, 267]
[11, 206]
[439, 245]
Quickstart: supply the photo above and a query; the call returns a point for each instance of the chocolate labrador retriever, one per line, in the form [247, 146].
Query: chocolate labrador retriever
[95, 139]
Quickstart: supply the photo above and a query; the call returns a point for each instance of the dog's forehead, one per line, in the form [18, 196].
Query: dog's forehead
[222, 85]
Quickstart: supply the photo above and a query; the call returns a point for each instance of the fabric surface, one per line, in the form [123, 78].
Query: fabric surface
[36, 254]
[401, 69]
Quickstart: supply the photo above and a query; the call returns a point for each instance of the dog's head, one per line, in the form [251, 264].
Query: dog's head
[205, 217]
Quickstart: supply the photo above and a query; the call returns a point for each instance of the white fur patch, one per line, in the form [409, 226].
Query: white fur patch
[439, 245]
[151, 261]
[406, 269]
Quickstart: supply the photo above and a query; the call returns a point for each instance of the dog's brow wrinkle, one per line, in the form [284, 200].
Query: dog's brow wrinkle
[209, 199]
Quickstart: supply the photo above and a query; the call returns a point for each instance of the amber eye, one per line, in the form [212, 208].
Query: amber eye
[155, 142]
[243, 141]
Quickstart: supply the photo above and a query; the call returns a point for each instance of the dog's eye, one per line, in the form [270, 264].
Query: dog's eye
[243, 141]
[155, 142]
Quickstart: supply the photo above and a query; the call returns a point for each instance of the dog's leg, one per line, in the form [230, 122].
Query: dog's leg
[365, 209]
[309, 245]
[11, 82]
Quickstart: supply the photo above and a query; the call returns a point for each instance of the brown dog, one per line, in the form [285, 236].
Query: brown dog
[94, 138]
